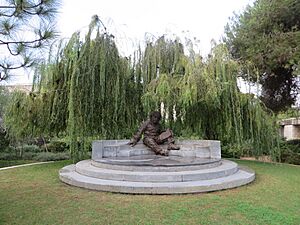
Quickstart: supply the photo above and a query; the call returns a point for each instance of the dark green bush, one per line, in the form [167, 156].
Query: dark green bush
[8, 156]
[42, 156]
[290, 152]
[50, 156]
[56, 146]
[32, 152]
[4, 142]
[29, 155]
[236, 150]
[29, 148]
[226, 152]
[9, 153]
[9, 149]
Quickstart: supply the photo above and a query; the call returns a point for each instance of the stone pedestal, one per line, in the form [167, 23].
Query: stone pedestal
[188, 148]
[117, 167]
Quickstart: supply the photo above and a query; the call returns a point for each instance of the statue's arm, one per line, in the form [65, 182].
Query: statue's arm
[137, 136]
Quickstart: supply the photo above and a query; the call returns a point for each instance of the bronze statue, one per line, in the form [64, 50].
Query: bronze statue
[154, 136]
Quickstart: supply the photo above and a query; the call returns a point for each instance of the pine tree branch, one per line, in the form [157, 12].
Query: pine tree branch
[24, 10]
[15, 16]
[13, 68]
[27, 7]
[22, 42]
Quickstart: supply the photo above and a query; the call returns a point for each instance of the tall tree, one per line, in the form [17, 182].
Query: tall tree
[4, 99]
[26, 26]
[266, 37]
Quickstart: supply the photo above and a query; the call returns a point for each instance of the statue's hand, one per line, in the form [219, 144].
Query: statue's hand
[132, 143]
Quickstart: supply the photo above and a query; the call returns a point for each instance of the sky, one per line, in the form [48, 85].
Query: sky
[131, 20]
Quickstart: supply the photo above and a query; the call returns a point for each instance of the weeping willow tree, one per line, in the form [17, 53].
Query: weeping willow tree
[203, 101]
[88, 91]
[163, 65]
[92, 91]
[25, 117]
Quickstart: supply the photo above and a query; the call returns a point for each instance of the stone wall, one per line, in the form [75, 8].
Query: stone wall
[290, 129]
[188, 148]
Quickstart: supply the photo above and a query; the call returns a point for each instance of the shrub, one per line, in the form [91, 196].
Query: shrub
[29, 148]
[237, 150]
[7, 156]
[29, 155]
[4, 142]
[56, 146]
[9, 153]
[9, 149]
[290, 152]
[50, 156]
[31, 152]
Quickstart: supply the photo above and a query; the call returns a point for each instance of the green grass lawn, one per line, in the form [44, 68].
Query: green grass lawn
[35, 195]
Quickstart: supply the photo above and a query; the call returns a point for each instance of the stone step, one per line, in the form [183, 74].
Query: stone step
[227, 168]
[147, 165]
[70, 176]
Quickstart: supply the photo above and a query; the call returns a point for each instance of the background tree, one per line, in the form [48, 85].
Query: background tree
[266, 37]
[26, 26]
[4, 100]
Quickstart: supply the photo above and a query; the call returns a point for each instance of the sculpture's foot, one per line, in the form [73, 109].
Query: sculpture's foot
[163, 152]
[172, 146]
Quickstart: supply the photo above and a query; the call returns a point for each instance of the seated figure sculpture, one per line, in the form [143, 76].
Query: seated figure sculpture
[154, 136]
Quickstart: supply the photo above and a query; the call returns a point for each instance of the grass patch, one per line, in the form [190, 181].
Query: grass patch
[34, 195]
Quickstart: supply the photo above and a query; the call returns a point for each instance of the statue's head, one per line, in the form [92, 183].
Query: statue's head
[155, 117]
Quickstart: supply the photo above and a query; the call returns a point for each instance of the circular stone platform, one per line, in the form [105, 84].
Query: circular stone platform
[116, 167]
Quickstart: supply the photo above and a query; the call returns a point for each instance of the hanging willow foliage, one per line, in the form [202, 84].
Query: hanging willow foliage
[205, 102]
[88, 91]
[93, 92]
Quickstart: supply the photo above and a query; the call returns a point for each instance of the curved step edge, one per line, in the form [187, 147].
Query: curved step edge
[70, 176]
[155, 168]
[227, 168]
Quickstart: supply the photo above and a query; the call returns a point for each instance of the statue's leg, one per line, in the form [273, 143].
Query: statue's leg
[151, 143]
[168, 136]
